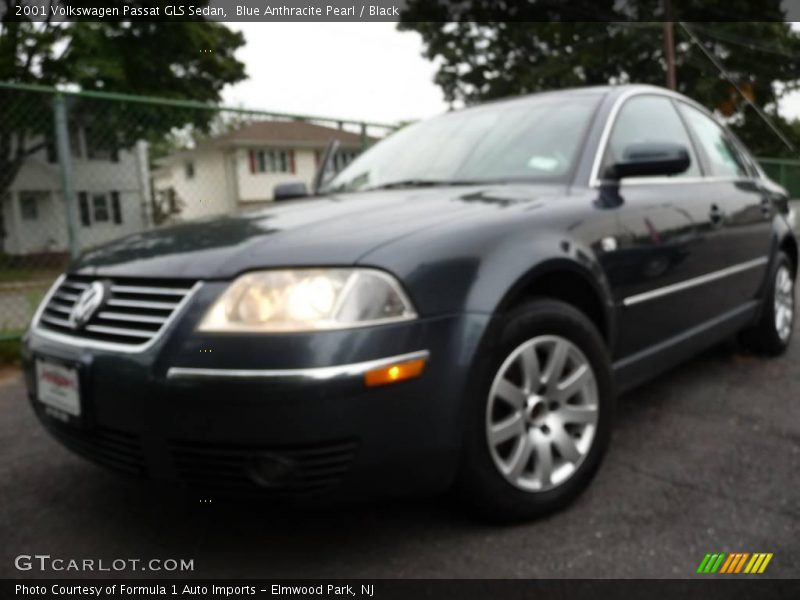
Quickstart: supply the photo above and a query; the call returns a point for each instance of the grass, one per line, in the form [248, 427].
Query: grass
[34, 267]
[21, 275]
[10, 349]
[34, 297]
[10, 339]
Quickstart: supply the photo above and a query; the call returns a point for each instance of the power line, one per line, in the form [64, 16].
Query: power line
[733, 39]
[669, 45]
[723, 37]
[724, 73]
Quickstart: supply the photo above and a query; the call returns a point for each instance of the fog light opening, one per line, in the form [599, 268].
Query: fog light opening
[394, 373]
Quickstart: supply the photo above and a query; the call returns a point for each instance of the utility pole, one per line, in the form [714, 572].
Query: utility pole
[67, 181]
[669, 45]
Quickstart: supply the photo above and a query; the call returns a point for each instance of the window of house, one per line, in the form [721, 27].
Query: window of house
[188, 169]
[29, 204]
[272, 161]
[101, 143]
[100, 212]
[99, 207]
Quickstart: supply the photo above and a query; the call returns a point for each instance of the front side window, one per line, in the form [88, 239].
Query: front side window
[533, 139]
[718, 147]
[649, 119]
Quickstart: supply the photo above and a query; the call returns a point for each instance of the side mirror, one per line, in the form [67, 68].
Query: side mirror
[287, 191]
[650, 159]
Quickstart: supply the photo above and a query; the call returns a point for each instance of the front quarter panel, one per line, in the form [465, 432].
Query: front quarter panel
[476, 264]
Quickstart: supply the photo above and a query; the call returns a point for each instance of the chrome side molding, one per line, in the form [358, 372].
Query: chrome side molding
[309, 374]
[695, 281]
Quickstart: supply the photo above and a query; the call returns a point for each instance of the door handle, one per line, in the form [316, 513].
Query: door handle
[766, 206]
[715, 215]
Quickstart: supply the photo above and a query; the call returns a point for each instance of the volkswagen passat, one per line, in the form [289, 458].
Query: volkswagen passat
[459, 306]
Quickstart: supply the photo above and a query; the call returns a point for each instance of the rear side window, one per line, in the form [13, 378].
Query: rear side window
[720, 150]
[649, 119]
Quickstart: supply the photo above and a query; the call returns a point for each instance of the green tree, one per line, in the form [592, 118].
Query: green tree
[482, 57]
[192, 60]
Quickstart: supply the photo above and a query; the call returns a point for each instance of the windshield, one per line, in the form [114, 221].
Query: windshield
[534, 139]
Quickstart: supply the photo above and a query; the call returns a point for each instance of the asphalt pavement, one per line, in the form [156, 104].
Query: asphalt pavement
[704, 459]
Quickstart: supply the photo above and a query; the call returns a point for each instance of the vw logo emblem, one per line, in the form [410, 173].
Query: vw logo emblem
[90, 300]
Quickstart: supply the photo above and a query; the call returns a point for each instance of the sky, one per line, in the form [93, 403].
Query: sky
[360, 71]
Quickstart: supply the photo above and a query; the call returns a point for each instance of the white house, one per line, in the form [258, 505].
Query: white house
[112, 197]
[241, 168]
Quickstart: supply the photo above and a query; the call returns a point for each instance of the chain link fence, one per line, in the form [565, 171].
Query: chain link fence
[80, 169]
[784, 171]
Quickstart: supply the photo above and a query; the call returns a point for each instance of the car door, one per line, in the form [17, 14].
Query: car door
[744, 205]
[669, 235]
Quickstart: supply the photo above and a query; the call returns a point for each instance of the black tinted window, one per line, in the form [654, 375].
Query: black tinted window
[718, 147]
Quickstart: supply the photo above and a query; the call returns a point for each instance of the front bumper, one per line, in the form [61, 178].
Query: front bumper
[175, 413]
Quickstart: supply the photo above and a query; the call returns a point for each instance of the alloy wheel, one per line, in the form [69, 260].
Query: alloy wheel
[542, 412]
[784, 303]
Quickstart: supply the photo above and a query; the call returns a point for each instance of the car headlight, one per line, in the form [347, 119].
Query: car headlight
[308, 300]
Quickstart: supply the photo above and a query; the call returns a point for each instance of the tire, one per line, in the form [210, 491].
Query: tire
[772, 333]
[489, 478]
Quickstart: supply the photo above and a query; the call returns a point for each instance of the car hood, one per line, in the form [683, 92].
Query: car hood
[330, 230]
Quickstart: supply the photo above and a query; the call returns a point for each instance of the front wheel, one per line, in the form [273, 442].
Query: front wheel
[540, 419]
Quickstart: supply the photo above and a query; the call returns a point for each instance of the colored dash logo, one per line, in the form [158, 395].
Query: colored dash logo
[735, 562]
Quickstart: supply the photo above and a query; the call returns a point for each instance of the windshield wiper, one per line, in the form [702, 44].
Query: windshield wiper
[418, 183]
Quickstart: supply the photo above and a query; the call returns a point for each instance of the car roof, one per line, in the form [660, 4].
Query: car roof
[595, 90]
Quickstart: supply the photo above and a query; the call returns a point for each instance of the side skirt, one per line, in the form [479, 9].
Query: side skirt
[635, 369]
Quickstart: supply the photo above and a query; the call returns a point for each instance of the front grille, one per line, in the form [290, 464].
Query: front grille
[114, 449]
[134, 314]
[278, 471]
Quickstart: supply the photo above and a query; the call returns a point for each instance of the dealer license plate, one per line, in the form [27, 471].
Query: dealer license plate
[57, 388]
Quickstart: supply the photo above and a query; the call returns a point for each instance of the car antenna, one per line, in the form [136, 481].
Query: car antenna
[319, 177]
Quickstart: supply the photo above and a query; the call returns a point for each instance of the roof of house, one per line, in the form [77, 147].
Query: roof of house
[280, 134]
[289, 133]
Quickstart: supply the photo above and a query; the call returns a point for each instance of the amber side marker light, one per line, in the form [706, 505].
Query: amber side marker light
[394, 373]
